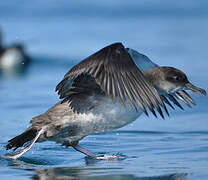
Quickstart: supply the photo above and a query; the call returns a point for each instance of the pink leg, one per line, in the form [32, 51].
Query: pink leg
[84, 151]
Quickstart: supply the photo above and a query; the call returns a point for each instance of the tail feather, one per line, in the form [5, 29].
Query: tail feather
[20, 140]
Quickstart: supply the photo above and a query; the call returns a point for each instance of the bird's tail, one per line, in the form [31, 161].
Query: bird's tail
[31, 134]
[20, 140]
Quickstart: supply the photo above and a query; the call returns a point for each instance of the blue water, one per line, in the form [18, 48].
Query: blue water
[58, 34]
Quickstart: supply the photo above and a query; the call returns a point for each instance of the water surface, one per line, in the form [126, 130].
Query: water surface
[57, 36]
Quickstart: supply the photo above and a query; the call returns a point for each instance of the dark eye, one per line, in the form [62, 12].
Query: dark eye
[177, 78]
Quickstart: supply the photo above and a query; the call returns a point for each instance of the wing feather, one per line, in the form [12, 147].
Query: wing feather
[118, 76]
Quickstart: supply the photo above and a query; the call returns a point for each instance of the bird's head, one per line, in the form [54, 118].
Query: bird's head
[170, 80]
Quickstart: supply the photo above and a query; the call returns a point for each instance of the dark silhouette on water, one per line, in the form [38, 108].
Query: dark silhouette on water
[103, 92]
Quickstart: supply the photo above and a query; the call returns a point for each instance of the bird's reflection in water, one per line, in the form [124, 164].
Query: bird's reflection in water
[85, 172]
[18, 71]
[90, 173]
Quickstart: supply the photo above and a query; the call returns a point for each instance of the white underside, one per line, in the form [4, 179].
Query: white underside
[11, 58]
[105, 117]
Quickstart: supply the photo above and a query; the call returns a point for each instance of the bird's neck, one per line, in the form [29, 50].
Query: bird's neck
[155, 77]
[152, 75]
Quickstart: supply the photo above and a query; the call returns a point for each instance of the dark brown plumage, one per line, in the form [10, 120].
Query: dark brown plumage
[103, 92]
[113, 64]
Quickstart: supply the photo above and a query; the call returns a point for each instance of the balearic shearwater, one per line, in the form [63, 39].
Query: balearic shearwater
[105, 91]
[12, 56]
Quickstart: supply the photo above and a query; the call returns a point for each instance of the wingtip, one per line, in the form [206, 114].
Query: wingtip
[204, 92]
[161, 114]
[146, 113]
[167, 102]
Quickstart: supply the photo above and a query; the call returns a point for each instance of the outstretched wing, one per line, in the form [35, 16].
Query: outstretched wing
[117, 75]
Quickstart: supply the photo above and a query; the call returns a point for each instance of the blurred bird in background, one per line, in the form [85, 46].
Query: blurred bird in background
[13, 58]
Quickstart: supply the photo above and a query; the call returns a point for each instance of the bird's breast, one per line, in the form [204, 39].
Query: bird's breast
[105, 117]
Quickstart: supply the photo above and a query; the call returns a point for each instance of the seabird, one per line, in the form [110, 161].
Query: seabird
[106, 91]
[12, 57]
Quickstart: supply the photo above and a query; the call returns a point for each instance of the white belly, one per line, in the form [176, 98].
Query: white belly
[11, 58]
[105, 117]
[109, 116]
